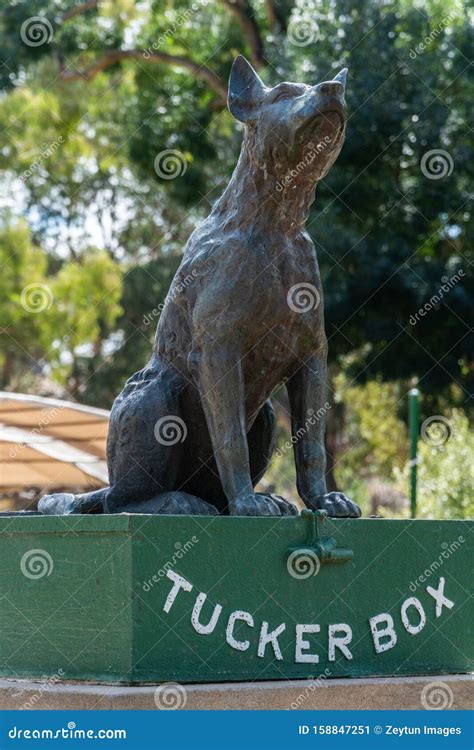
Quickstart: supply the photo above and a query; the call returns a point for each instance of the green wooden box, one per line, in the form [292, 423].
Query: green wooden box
[137, 598]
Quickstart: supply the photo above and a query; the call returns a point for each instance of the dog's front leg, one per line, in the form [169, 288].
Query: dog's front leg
[218, 373]
[307, 393]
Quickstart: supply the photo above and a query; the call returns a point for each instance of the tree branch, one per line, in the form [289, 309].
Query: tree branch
[243, 12]
[271, 15]
[79, 10]
[111, 57]
[276, 15]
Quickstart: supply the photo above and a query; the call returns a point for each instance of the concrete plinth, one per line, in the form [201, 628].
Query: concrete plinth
[433, 691]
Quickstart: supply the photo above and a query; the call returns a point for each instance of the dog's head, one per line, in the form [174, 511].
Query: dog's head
[292, 126]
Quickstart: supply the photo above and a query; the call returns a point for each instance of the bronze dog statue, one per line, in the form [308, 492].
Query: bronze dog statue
[194, 431]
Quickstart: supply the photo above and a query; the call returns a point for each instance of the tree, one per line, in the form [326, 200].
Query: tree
[47, 317]
[103, 374]
[385, 231]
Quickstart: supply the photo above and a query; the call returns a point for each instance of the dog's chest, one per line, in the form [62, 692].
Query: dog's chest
[286, 287]
[282, 319]
[262, 291]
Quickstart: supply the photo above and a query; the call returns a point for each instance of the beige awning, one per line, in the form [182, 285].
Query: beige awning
[50, 444]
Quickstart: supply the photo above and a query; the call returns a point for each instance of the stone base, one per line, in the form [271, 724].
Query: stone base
[448, 691]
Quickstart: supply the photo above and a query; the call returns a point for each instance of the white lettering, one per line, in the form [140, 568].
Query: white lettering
[230, 638]
[388, 631]
[413, 602]
[439, 597]
[266, 637]
[179, 583]
[339, 642]
[198, 627]
[302, 644]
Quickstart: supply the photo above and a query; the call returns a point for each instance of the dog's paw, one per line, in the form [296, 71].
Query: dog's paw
[336, 504]
[285, 507]
[261, 504]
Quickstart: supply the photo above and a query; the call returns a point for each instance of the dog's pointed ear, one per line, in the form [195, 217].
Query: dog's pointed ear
[341, 77]
[246, 91]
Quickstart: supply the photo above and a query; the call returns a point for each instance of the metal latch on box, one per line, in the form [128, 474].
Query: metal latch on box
[305, 560]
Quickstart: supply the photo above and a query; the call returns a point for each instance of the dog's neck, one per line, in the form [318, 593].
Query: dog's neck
[258, 197]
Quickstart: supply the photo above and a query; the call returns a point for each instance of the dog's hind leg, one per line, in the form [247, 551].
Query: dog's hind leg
[145, 443]
[146, 437]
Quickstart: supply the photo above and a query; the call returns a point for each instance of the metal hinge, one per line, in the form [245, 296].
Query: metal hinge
[305, 559]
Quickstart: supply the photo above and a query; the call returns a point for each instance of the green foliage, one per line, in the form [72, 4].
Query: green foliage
[45, 315]
[374, 442]
[88, 295]
[445, 471]
[24, 334]
[376, 437]
[102, 375]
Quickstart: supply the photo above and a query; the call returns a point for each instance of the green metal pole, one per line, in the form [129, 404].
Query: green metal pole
[413, 428]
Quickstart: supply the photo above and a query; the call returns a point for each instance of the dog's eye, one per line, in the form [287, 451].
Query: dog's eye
[282, 95]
